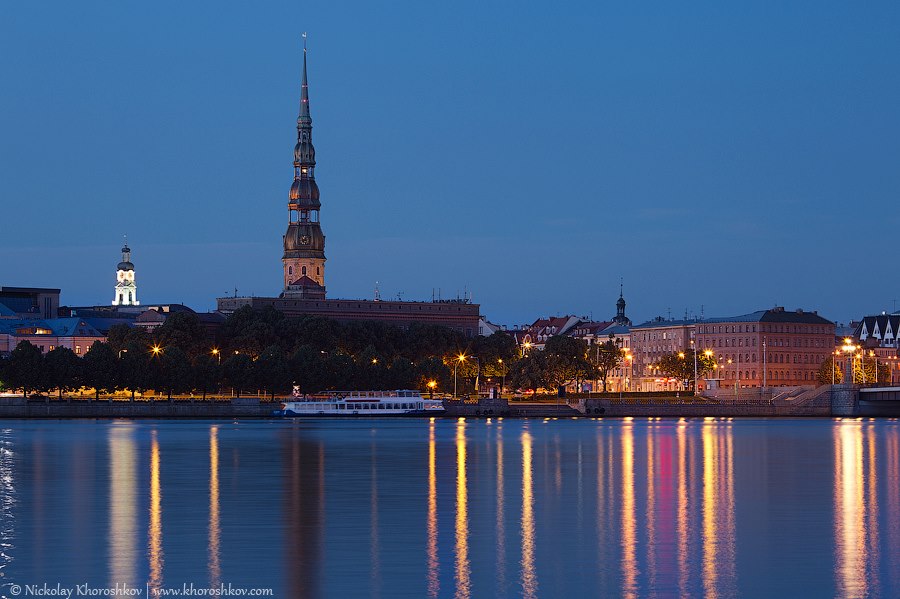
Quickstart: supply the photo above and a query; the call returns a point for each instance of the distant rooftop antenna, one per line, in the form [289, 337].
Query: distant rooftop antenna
[701, 311]
[377, 292]
[669, 311]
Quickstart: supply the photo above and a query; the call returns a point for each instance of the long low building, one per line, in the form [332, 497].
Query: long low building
[47, 334]
[455, 314]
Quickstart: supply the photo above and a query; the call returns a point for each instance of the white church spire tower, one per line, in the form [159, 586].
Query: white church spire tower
[126, 289]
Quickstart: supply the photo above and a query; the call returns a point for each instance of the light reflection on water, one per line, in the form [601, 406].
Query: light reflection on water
[7, 504]
[529, 577]
[215, 568]
[434, 564]
[123, 506]
[154, 529]
[463, 508]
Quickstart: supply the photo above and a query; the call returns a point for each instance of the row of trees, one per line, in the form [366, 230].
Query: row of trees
[263, 350]
[867, 370]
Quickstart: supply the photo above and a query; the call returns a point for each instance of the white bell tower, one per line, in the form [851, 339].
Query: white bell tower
[126, 289]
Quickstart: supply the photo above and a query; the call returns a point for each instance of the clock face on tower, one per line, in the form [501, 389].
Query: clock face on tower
[304, 240]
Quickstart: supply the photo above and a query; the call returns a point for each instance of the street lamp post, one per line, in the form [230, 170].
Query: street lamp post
[217, 354]
[459, 360]
[694, 351]
[848, 348]
[502, 376]
[477, 376]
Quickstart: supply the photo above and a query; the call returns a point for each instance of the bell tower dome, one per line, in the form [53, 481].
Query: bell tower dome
[304, 242]
[126, 288]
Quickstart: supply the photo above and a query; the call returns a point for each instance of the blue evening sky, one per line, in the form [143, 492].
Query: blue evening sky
[730, 155]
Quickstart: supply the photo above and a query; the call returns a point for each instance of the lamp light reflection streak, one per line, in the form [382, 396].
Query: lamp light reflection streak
[432, 541]
[682, 517]
[850, 545]
[629, 527]
[122, 505]
[651, 508]
[154, 532]
[501, 527]
[7, 500]
[529, 576]
[215, 570]
[463, 584]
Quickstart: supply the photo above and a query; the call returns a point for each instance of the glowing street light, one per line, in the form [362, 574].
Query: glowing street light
[155, 350]
[431, 385]
[215, 351]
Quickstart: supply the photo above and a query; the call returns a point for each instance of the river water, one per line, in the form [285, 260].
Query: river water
[453, 508]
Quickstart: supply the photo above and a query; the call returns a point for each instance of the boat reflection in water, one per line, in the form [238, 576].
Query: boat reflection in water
[461, 508]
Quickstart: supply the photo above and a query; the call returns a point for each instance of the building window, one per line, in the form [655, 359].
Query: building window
[303, 271]
[77, 349]
[290, 270]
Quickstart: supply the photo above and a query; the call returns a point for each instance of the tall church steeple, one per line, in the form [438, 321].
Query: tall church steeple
[125, 293]
[304, 242]
[620, 309]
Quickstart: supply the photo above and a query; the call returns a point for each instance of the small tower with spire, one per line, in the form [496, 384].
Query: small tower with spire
[304, 242]
[620, 318]
[126, 288]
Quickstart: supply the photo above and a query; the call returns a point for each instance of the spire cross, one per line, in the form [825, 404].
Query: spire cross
[304, 41]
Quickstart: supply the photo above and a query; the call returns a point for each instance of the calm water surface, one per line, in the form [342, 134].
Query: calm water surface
[469, 508]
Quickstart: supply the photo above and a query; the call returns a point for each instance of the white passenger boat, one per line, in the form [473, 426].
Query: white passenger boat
[403, 402]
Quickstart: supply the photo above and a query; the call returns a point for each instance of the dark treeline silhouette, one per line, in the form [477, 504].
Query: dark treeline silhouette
[262, 351]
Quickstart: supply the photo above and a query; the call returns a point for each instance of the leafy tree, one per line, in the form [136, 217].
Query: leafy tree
[175, 371]
[62, 368]
[827, 376]
[496, 353]
[273, 371]
[607, 356]
[135, 365]
[24, 370]
[681, 366]
[237, 372]
[308, 370]
[370, 371]
[868, 370]
[339, 368]
[181, 330]
[433, 369]
[530, 372]
[205, 374]
[402, 374]
[567, 361]
[124, 337]
[99, 368]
